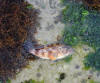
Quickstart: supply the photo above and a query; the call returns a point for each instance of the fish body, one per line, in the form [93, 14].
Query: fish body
[52, 51]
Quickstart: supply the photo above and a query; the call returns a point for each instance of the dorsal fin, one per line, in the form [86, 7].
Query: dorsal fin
[40, 46]
[53, 44]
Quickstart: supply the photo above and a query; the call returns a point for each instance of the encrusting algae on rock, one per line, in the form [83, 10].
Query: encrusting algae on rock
[15, 21]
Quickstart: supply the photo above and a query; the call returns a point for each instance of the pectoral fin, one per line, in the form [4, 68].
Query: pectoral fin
[52, 57]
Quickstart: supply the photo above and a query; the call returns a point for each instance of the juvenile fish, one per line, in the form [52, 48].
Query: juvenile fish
[52, 52]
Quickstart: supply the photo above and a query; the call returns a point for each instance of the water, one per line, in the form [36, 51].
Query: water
[77, 22]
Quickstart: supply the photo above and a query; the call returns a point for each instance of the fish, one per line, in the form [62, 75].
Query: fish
[52, 51]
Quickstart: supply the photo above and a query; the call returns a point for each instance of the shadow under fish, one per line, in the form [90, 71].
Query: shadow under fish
[53, 52]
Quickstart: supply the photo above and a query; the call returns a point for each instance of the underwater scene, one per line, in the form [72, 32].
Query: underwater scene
[49, 41]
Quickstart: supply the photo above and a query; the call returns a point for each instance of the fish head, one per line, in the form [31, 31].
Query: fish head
[32, 51]
[69, 51]
[64, 52]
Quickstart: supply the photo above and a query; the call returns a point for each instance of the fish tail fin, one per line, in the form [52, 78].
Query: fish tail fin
[28, 45]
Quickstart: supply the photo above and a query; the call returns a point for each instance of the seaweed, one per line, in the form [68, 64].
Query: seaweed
[74, 17]
[93, 60]
[82, 27]
[7, 81]
[63, 1]
[62, 77]
[68, 59]
[15, 22]
[33, 81]
[94, 4]
[30, 6]
[92, 81]
[89, 4]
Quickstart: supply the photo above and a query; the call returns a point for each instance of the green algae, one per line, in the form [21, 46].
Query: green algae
[82, 26]
[61, 77]
[92, 81]
[8, 81]
[93, 60]
[30, 6]
[33, 81]
[86, 68]
[63, 1]
[85, 13]
[68, 59]
[75, 15]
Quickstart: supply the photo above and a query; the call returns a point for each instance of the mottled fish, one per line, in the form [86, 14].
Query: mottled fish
[52, 51]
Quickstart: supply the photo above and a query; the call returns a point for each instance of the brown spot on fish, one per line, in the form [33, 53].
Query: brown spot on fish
[43, 54]
[49, 52]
